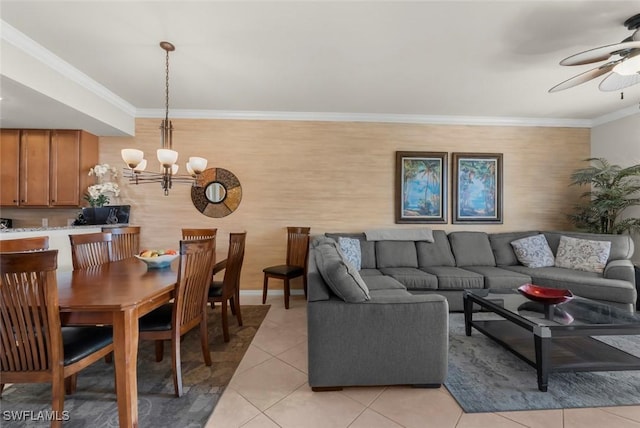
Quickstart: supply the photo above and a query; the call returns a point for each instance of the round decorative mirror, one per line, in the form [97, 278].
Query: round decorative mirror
[218, 193]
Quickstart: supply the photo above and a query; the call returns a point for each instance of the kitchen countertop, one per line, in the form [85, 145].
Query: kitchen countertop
[45, 229]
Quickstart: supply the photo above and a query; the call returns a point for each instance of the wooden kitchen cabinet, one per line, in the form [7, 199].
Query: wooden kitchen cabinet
[51, 167]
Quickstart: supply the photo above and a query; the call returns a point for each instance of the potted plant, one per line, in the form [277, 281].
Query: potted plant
[99, 195]
[613, 190]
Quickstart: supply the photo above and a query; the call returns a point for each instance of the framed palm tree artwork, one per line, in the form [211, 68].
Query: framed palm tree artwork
[421, 187]
[477, 187]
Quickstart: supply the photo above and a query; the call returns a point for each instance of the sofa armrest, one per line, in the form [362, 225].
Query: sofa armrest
[388, 340]
[620, 269]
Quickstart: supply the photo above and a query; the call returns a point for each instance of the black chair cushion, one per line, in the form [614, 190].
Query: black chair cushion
[284, 270]
[215, 289]
[79, 342]
[157, 320]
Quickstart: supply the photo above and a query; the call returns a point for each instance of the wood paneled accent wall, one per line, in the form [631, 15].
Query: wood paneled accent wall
[338, 176]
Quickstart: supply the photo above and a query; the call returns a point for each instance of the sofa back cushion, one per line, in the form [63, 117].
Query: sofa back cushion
[391, 254]
[341, 277]
[367, 248]
[436, 253]
[621, 245]
[471, 249]
[502, 249]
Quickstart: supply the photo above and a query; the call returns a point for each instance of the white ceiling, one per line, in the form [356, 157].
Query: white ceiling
[397, 60]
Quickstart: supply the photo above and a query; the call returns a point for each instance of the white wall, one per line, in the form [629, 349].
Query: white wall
[619, 142]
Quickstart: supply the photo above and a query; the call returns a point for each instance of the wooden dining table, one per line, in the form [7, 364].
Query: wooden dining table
[117, 294]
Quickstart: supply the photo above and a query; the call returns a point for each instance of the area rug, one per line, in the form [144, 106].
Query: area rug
[485, 377]
[94, 403]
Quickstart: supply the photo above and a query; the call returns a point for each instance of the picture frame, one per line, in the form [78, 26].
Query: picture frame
[477, 188]
[421, 187]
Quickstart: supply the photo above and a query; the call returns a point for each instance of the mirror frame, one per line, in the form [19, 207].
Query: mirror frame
[228, 204]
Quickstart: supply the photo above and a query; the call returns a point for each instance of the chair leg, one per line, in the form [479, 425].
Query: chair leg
[159, 350]
[204, 339]
[304, 283]
[70, 384]
[225, 321]
[265, 286]
[232, 305]
[1, 388]
[108, 358]
[57, 400]
[287, 291]
[236, 301]
[177, 366]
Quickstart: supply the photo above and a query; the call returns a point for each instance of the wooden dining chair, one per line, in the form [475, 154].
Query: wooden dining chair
[35, 348]
[172, 320]
[229, 288]
[24, 244]
[125, 242]
[296, 264]
[90, 249]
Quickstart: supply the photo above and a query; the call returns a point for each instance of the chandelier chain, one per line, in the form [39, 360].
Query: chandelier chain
[166, 103]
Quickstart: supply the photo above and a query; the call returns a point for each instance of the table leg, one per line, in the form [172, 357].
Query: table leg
[543, 361]
[468, 313]
[125, 344]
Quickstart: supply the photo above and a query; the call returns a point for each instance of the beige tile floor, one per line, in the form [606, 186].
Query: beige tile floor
[269, 389]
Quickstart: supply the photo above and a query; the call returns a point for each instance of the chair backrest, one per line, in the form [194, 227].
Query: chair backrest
[90, 249]
[30, 333]
[297, 246]
[125, 242]
[194, 277]
[24, 244]
[235, 258]
[191, 234]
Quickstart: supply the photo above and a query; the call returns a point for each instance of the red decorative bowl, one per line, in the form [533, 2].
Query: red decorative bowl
[551, 296]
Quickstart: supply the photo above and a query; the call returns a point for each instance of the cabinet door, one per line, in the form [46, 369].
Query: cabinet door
[65, 164]
[34, 167]
[9, 166]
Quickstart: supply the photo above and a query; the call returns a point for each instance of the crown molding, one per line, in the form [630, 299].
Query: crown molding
[365, 117]
[31, 47]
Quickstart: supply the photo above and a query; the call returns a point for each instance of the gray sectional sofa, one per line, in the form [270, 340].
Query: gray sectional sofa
[400, 330]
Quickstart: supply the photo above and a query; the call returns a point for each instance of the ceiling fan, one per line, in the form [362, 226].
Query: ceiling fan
[624, 71]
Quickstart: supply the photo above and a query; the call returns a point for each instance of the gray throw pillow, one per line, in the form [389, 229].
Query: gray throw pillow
[533, 251]
[342, 278]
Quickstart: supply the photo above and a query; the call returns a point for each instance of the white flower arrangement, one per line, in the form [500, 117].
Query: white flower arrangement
[98, 194]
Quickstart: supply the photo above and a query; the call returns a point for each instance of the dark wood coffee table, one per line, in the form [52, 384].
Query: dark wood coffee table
[564, 343]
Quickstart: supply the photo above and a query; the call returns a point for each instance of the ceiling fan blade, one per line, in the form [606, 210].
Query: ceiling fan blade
[584, 77]
[615, 81]
[599, 54]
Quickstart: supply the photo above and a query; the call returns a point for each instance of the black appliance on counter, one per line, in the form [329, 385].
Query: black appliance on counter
[110, 214]
[6, 223]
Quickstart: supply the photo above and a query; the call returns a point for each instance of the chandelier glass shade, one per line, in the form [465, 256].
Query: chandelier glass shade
[168, 158]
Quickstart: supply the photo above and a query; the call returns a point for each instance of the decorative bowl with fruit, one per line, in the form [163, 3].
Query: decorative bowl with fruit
[158, 259]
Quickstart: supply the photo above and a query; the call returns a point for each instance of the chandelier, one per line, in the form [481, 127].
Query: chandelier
[167, 157]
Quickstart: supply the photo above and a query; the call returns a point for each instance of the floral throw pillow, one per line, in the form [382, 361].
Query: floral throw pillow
[351, 250]
[583, 254]
[533, 251]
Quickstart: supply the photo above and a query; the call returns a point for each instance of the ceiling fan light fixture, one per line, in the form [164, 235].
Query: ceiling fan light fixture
[628, 67]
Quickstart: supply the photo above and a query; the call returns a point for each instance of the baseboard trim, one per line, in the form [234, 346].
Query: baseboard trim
[271, 292]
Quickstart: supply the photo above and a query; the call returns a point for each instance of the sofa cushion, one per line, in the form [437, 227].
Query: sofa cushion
[454, 278]
[350, 248]
[396, 254]
[582, 254]
[367, 248]
[383, 282]
[533, 251]
[471, 249]
[339, 275]
[412, 278]
[585, 284]
[502, 249]
[436, 253]
[369, 272]
[496, 278]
